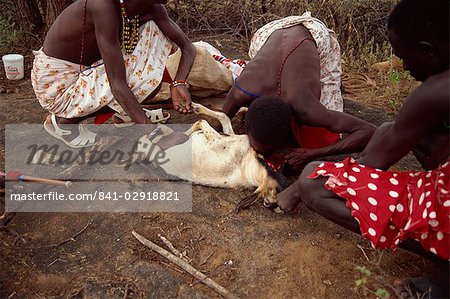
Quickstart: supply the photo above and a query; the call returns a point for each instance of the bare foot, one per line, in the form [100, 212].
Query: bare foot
[419, 287]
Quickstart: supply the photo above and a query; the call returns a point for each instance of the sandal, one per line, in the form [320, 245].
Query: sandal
[86, 138]
[157, 116]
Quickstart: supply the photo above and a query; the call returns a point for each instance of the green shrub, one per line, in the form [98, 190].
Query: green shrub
[8, 35]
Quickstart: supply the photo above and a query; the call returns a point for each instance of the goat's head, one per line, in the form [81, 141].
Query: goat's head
[273, 183]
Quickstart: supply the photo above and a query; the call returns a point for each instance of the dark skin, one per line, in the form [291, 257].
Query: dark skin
[102, 28]
[300, 90]
[421, 126]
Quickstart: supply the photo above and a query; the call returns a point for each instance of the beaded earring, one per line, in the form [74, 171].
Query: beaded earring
[130, 30]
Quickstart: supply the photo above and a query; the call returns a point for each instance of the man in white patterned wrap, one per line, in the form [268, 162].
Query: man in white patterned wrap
[96, 58]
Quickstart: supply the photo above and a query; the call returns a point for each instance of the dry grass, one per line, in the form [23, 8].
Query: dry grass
[360, 27]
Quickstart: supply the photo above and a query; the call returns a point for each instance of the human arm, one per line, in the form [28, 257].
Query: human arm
[422, 114]
[180, 95]
[234, 101]
[358, 132]
[106, 32]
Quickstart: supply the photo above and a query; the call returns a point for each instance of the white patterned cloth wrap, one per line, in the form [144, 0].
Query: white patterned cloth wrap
[64, 91]
[328, 49]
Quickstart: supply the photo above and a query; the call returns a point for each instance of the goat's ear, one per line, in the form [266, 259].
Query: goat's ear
[246, 202]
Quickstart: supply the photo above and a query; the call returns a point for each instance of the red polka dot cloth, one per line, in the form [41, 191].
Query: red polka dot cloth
[391, 207]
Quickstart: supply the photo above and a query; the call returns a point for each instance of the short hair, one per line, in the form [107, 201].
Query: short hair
[416, 20]
[268, 121]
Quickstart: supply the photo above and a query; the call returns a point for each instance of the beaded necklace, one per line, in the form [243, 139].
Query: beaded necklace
[130, 30]
[83, 28]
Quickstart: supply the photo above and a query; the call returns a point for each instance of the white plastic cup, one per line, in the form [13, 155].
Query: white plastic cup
[14, 67]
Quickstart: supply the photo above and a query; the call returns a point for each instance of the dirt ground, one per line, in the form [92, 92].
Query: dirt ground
[254, 254]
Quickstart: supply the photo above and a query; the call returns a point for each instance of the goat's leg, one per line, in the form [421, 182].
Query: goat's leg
[207, 130]
[220, 116]
[195, 127]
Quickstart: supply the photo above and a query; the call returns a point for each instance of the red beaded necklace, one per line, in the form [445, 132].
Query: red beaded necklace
[83, 28]
[284, 62]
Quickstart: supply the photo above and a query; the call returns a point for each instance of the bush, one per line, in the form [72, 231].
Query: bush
[8, 35]
[359, 25]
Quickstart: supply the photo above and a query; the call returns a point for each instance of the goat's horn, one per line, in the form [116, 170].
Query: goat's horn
[246, 202]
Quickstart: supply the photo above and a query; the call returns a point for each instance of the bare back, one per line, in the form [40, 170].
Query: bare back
[64, 39]
[263, 70]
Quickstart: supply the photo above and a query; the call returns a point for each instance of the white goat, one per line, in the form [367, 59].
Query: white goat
[226, 161]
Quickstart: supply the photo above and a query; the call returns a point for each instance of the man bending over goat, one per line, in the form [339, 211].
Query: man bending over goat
[296, 66]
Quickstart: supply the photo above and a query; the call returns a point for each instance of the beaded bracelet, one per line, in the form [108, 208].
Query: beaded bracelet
[176, 83]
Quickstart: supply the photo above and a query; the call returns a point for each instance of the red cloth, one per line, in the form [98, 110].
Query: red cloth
[307, 137]
[391, 207]
[313, 137]
[102, 118]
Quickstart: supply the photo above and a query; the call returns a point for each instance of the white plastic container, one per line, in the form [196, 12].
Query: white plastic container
[14, 67]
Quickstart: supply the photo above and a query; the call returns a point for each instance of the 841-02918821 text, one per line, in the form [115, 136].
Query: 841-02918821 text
[167, 196]
[149, 196]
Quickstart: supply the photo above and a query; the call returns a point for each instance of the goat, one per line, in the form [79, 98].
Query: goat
[226, 161]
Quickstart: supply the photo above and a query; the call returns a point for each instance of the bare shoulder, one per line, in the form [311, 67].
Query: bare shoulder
[156, 12]
[99, 6]
[432, 95]
[435, 88]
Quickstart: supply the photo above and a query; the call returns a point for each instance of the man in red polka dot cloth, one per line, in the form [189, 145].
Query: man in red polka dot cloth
[406, 209]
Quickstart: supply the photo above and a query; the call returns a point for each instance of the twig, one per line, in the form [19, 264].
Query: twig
[172, 267]
[153, 218]
[209, 256]
[58, 259]
[126, 292]
[16, 234]
[60, 243]
[185, 266]
[362, 249]
[173, 249]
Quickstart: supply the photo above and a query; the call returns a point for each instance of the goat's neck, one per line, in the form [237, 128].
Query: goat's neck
[257, 174]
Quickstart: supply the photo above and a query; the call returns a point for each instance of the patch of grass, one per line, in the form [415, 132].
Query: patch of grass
[364, 281]
[8, 35]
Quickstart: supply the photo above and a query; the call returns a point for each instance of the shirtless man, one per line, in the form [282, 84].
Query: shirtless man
[296, 66]
[407, 209]
[72, 83]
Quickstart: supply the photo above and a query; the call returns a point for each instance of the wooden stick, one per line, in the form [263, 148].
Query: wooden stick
[45, 181]
[72, 238]
[173, 249]
[185, 266]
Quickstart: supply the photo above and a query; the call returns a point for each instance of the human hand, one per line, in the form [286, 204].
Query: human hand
[299, 157]
[289, 198]
[171, 140]
[181, 99]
